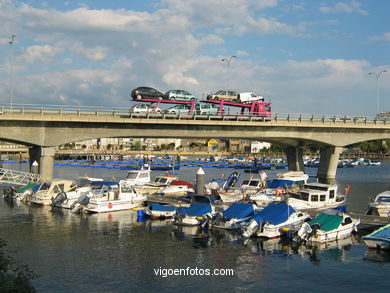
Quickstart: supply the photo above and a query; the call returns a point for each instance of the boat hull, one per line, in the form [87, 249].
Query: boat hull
[111, 206]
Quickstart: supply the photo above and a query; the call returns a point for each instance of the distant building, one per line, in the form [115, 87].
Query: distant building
[383, 116]
[257, 146]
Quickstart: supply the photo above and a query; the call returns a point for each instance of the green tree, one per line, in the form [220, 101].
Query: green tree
[14, 276]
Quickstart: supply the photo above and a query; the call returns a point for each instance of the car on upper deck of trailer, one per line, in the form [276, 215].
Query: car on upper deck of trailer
[145, 92]
[180, 95]
[226, 95]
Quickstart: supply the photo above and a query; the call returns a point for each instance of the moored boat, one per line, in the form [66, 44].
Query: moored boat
[50, 189]
[112, 196]
[380, 205]
[158, 211]
[328, 227]
[379, 239]
[234, 216]
[274, 221]
[196, 213]
[318, 196]
[278, 187]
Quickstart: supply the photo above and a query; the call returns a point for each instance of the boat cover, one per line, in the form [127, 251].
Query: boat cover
[327, 222]
[104, 183]
[275, 183]
[238, 210]
[181, 182]
[25, 187]
[195, 210]
[274, 213]
[162, 208]
[383, 232]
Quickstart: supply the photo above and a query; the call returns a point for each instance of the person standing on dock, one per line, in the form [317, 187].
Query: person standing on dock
[263, 179]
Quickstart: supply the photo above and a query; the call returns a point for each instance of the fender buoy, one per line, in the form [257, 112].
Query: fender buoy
[110, 205]
[279, 191]
[347, 188]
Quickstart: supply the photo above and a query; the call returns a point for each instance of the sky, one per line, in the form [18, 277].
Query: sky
[305, 56]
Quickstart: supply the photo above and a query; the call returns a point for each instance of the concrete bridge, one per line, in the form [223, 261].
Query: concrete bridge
[43, 128]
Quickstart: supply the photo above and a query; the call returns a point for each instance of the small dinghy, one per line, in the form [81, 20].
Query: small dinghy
[158, 211]
[379, 239]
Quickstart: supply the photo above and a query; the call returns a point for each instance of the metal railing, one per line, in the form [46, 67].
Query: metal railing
[18, 177]
[121, 112]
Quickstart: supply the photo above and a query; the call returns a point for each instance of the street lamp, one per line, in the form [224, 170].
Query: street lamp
[377, 75]
[11, 63]
[228, 60]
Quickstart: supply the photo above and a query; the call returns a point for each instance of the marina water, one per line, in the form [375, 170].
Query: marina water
[118, 252]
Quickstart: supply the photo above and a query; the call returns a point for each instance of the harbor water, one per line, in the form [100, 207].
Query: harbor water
[120, 252]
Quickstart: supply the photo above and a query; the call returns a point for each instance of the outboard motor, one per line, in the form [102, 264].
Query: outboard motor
[8, 193]
[304, 232]
[59, 199]
[250, 229]
[81, 202]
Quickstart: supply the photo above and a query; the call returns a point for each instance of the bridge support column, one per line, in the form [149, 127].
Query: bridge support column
[44, 156]
[295, 159]
[329, 157]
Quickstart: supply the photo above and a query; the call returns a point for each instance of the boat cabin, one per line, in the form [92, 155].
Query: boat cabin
[317, 193]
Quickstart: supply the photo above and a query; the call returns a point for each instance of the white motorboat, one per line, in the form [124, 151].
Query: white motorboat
[109, 197]
[278, 187]
[380, 205]
[274, 220]
[248, 187]
[379, 239]
[155, 186]
[138, 177]
[66, 199]
[50, 189]
[177, 188]
[328, 227]
[317, 196]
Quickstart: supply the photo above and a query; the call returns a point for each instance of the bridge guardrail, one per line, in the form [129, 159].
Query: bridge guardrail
[63, 110]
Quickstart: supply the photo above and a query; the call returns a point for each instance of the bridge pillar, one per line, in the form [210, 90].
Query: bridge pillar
[295, 159]
[329, 157]
[45, 159]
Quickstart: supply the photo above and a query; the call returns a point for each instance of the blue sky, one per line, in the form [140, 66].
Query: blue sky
[306, 56]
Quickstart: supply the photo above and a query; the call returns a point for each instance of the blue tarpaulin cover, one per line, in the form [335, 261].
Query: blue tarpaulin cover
[275, 183]
[163, 208]
[238, 211]
[195, 210]
[383, 232]
[274, 213]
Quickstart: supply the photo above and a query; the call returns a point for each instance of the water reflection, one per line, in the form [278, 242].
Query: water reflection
[377, 256]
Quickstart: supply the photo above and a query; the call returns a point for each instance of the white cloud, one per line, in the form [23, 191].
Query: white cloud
[342, 7]
[384, 37]
[97, 53]
[34, 54]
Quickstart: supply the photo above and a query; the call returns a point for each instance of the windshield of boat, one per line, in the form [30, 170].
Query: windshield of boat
[316, 187]
[302, 196]
[44, 186]
[162, 180]
[253, 183]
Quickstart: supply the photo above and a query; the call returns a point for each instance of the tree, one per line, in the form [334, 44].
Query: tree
[14, 276]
